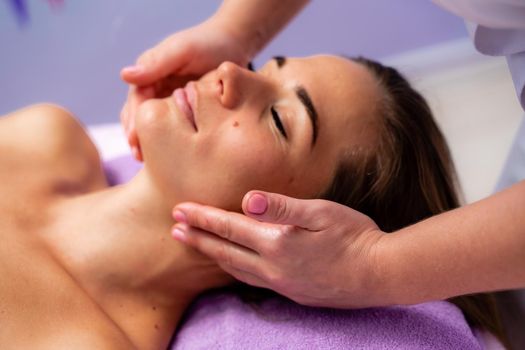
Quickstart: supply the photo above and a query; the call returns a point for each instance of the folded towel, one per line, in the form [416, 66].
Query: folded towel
[223, 321]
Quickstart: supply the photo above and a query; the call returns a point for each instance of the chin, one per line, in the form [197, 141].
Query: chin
[153, 126]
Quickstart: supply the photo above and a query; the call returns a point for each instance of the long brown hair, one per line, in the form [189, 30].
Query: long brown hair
[408, 176]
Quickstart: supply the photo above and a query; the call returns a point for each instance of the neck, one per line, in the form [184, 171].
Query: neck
[117, 245]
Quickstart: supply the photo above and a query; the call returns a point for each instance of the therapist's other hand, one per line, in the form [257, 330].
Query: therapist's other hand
[314, 252]
[183, 56]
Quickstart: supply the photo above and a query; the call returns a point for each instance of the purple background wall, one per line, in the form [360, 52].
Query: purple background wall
[71, 54]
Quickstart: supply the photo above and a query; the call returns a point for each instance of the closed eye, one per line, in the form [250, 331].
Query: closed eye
[278, 123]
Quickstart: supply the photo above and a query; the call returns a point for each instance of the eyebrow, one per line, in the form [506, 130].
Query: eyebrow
[305, 99]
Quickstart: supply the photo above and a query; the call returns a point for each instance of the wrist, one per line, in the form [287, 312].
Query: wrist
[404, 279]
[384, 271]
[234, 32]
[370, 284]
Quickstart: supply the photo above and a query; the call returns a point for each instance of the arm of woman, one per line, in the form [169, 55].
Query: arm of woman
[236, 32]
[321, 253]
[476, 248]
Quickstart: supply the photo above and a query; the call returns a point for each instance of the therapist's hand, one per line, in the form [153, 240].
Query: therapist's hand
[181, 57]
[314, 252]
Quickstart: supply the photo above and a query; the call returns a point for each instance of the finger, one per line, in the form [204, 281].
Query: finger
[133, 142]
[131, 133]
[156, 63]
[143, 93]
[222, 251]
[233, 227]
[165, 86]
[124, 118]
[279, 209]
[127, 115]
[136, 96]
[244, 276]
[129, 73]
[136, 152]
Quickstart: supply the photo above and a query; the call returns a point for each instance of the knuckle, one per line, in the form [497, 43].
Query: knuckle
[198, 219]
[223, 255]
[283, 239]
[281, 209]
[277, 248]
[223, 227]
[266, 246]
[324, 211]
[321, 207]
[193, 218]
[287, 231]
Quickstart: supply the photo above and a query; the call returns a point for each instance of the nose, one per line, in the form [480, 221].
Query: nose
[235, 84]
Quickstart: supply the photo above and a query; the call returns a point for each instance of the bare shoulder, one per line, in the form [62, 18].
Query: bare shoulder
[44, 130]
[48, 138]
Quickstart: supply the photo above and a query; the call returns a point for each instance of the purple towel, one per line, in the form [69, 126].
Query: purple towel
[222, 320]
[120, 170]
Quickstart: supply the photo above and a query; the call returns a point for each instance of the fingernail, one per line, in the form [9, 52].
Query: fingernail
[133, 70]
[257, 204]
[179, 216]
[178, 234]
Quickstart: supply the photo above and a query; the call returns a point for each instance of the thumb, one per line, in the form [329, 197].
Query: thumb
[279, 209]
[155, 64]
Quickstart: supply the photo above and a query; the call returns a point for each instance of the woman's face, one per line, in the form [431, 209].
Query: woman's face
[281, 129]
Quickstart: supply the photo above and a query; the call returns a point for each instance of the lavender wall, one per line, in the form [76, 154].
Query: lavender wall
[71, 53]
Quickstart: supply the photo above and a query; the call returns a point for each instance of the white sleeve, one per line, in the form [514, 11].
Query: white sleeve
[499, 14]
[497, 28]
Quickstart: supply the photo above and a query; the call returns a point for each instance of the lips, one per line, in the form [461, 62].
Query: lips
[185, 101]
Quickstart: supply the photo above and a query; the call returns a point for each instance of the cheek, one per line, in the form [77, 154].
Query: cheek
[248, 156]
[237, 160]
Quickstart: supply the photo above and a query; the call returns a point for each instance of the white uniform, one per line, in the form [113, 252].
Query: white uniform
[497, 28]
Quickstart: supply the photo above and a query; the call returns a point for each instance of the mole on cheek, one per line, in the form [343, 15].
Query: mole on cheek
[291, 180]
[235, 124]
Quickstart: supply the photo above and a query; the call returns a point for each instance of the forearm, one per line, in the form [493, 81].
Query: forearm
[476, 248]
[256, 22]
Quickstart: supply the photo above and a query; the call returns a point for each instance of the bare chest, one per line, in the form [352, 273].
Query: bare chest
[40, 303]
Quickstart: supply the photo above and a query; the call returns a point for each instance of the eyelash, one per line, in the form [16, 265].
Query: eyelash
[275, 114]
[278, 123]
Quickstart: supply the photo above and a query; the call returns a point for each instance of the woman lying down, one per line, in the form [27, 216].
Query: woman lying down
[84, 265]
